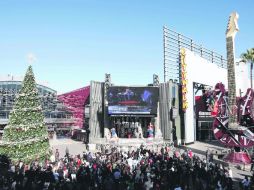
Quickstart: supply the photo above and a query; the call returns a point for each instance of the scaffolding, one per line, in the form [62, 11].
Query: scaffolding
[172, 44]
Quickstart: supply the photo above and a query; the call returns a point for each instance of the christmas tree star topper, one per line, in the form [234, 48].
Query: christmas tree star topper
[31, 58]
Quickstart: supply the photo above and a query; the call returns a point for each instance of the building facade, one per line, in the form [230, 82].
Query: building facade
[57, 116]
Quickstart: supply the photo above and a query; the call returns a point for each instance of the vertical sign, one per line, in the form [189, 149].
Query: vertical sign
[184, 80]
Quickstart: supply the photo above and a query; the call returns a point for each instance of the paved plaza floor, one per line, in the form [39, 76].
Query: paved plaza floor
[75, 147]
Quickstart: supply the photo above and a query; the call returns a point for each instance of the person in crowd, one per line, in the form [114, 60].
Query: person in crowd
[246, 183]
[67, 153]
[252, 162]
[230, 173]
[131, 170]
[57, 155]
[207, 154]
[190, 153]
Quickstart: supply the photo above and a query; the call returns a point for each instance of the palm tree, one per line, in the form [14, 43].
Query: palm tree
[248, 57]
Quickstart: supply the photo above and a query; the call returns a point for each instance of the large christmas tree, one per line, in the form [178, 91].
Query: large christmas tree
[25, 137]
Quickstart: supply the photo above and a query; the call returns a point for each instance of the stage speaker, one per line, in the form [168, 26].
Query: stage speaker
[156, 81]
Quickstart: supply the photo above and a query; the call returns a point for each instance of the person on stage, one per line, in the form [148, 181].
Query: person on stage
[140, 131]
[57, 155]
[113, 133]
[150, 130]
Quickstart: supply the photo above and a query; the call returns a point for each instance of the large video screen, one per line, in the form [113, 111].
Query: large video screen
[132, 100]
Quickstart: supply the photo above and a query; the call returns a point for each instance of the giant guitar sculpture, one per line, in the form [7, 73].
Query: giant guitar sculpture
[233, 116]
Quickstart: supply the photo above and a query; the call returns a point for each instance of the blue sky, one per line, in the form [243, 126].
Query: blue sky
[78, 41]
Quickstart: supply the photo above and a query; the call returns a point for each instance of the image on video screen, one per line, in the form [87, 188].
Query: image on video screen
[132, 100]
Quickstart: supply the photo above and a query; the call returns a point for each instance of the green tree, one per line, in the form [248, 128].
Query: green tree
[25, 137]
[248, 57]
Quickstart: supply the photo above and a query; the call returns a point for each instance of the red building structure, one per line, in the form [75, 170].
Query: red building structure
[75, 102]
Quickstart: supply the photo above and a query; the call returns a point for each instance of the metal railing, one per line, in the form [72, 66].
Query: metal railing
[173, 42]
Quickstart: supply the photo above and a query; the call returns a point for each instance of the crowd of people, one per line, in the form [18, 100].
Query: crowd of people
[140, 169]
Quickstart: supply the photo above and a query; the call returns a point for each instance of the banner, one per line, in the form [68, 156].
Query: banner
[184, 80]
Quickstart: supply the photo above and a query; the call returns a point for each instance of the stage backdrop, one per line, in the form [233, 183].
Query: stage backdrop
[168, 101]
[96, 109]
